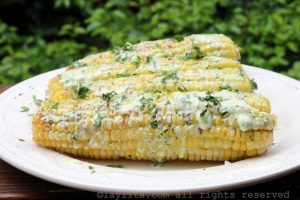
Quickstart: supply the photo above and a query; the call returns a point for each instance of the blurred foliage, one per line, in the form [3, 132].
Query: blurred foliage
[38, 36]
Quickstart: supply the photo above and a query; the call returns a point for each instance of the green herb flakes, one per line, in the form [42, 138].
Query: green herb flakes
[137, 61]
[81, 91]
[124, 74]
[54, 106]
[253, 84]
[154, 124]
[209, 98]
[24, 109]
[147, 103]
[149, 59]
[202, 114]
[195, 54]
[152, 91]
[181, 88]
[37, 101]
[226, 87]
[74, 137]
[224, 114]
[108, 96]
[167, 76]
[92, 169]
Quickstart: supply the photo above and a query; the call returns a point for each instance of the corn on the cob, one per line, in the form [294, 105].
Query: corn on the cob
[192, 46]
[152, 57]
[155, 126]
[208, 74]
[159, 100]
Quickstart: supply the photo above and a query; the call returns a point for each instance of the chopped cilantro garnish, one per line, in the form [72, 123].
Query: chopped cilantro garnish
[147, 103]
[166, 76]
[54, 106]
[188, 56]
[224, 114]
[159, 163]
[152, 91]
[24, 109]
[226, 87]
[115, 166]
[253, 84]
[37, 101]
[81, 91]
[154, 124]
[74, 136]
[92, 169]
[195, 54]
[212, 99]
[149, 59]
[108, 96]
[181, 88]
[137, 61]
[202, 114]
[124, 74]
[174, 76]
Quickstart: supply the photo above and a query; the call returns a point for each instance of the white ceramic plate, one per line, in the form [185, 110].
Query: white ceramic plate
[139, 176]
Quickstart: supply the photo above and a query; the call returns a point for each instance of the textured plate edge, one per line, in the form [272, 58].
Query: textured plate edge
[233, 185]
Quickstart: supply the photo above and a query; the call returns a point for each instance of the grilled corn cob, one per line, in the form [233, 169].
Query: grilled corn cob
[192, 46]
[159, 126]
[151, 57]
[210, 73]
